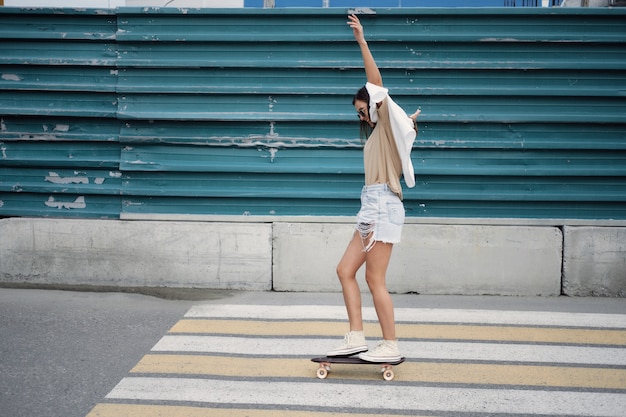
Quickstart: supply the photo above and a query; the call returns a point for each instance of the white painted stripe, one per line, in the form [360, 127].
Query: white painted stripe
[548, 354]
[416, 350]
[413, 315]
[384, 396]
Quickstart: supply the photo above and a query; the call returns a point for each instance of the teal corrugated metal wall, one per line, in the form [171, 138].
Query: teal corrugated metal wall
[164, 111]
[59, 135]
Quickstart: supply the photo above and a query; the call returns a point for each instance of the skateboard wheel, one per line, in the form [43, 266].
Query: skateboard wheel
[388, 375]
[322, 373]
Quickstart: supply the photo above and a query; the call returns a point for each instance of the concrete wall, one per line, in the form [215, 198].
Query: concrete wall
[136, 254]
[594, 261]
[301, 256]
[432, 259]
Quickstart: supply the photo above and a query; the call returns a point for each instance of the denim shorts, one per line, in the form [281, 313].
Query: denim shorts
[381, 216]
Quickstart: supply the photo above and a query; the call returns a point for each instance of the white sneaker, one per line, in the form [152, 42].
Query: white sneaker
[353, 342]
[386, 351]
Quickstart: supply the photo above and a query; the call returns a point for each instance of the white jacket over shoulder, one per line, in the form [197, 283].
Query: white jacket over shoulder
[401, 125]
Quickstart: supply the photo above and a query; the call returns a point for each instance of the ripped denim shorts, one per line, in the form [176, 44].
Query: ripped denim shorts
[381, 216]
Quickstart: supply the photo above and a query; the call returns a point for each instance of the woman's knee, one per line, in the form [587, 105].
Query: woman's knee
[344, 272]
[376, 282]
[351, 261]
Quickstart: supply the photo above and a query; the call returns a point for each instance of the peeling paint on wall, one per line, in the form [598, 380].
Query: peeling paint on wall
[61, 128]
[273, 152]
[11, 77]
[79, 203]
[55, 178]
[272, 101]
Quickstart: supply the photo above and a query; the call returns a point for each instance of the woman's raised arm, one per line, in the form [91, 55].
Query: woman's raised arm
[371, 69]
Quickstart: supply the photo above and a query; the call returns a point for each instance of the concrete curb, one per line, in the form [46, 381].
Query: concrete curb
[291, 256]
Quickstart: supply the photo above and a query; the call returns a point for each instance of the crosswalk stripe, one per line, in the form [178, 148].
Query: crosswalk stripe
[411, 315]
[450, 373]
[237, 345]
[135, 410]
[381, 397]
[408, 331]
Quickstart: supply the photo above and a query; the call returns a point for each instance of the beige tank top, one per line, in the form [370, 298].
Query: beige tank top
[380, 154]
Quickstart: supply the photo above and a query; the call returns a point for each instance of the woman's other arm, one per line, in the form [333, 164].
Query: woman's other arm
[414, 118]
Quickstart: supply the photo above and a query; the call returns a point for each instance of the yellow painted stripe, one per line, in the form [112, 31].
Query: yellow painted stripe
[136, 410]
[452, 373]
[406, 331]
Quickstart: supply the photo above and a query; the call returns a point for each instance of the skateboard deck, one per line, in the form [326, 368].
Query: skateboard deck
[386, 368]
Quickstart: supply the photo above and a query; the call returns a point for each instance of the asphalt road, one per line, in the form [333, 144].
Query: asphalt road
[62, 352]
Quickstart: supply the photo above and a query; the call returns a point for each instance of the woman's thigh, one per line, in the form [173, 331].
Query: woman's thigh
[376, 263]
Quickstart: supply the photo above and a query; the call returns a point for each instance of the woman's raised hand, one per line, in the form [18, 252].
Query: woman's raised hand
[357, 28]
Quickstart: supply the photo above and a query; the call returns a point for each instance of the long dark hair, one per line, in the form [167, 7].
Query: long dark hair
[365, 130]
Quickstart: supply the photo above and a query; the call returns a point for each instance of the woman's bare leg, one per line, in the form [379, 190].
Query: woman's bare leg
[376, 263]
[352, 260]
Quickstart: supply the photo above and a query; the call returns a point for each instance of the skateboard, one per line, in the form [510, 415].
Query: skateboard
[386, 368]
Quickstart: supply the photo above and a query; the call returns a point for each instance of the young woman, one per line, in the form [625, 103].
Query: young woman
[390, 134]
